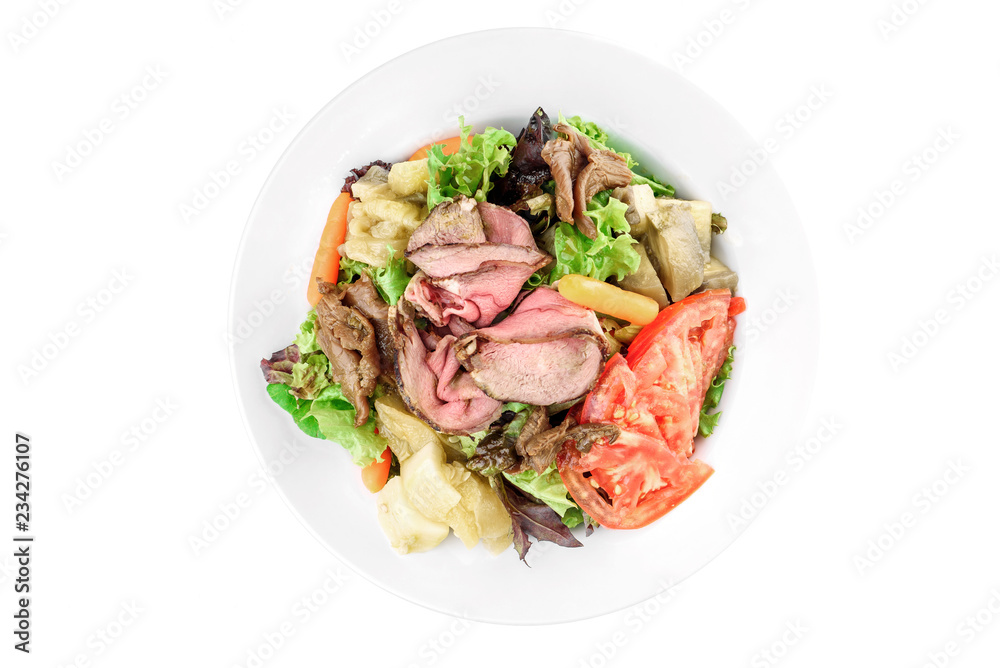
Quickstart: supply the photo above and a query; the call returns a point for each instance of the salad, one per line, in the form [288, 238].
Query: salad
[513, 337]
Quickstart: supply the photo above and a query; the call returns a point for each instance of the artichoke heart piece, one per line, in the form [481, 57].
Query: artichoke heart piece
[673, 239]
[427, 483]
[387, 209]
[407, 178]
[373, 185]
[718, 275]
[405, 432]
[480, 514]
[641, 203]
[405, 527]
[645, 280]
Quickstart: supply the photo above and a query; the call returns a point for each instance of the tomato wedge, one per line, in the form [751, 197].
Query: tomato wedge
[632, 482]
[655, 397]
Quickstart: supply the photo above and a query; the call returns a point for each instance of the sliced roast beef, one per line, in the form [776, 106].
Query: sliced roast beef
[503, 226]
[470, 280]
[548, 351]
[348, 339]
[454, 222]
[535, 373]
[543, 315]
[432, 383]
[476, 296]
[363, 296]
[527, 170]
[441, 261]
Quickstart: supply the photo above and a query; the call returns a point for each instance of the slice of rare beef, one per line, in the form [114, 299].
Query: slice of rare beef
[548, 351]
[476, 296]
[431, 381]
[441, 261]
[454, 222]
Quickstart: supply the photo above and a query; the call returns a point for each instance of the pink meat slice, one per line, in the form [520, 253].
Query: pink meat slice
[548, 351]
[503, 226]
[433, 384]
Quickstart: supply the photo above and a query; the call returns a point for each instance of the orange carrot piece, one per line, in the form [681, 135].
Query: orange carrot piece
[376, 474]
[327, 263]
[451, 146]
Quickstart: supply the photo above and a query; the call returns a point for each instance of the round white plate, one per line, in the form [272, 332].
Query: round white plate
[673, 129]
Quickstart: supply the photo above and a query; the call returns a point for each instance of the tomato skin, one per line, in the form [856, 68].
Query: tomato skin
[736, 306]
[376, 474]
[654, 396]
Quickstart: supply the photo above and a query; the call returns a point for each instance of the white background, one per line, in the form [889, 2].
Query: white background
[803, 583]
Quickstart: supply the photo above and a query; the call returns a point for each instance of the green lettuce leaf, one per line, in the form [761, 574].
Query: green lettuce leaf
[609, 254]
[468, 172]
[306, 338]
[350, 271]
[335, 416]
[298, 408]
[310, 376]
[597, 136]
[301, 384]
[707, 421]
[550, 490]
[390, 281]
[305, 375]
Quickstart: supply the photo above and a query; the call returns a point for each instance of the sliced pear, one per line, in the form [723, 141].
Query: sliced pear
[405, 527]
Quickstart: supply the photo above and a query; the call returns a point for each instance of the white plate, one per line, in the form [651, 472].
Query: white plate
[499, 77]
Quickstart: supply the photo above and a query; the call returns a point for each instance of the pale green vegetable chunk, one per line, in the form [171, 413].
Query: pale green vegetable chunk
[405, 527]
[673, 239]
[427, 483]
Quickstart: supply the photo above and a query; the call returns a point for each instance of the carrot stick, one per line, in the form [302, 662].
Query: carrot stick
[327, 263]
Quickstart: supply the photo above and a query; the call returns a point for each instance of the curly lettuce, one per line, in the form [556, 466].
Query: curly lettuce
[610, 253]
[468, 172]
[708, 421]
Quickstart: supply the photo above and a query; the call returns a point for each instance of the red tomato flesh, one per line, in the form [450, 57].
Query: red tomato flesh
[655, 397]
